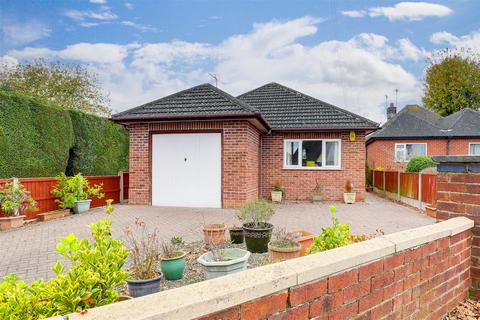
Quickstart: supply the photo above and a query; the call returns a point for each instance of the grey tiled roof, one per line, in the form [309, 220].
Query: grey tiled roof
[285, 108]
[416, 122]
[203, 99]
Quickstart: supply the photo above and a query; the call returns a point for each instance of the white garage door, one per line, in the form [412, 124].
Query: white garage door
[187, 170]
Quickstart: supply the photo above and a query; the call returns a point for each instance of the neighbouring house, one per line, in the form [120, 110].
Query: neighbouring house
[202, 147]
[416, 131]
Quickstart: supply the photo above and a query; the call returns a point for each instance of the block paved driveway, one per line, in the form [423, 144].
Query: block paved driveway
[30, 251]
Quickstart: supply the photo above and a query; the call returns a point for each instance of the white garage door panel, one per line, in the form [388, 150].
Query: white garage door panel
[186, 170]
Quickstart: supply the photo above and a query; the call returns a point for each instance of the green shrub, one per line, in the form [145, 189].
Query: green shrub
[35, 137]
[338, 235]
[92, 281]
[368, 174]
[100, 146]
[72, 189]
[417, 164]
[255, 212]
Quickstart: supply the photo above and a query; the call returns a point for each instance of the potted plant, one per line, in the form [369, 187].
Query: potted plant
[349, 195]
[144, 273]
[304, 237]
[277, 192]
[283, 247]
[75, 192]
[220, 261]
[236, 234]
[317, 193]
[14, 200]
[254, 216]
[173, 259]
[214, 233]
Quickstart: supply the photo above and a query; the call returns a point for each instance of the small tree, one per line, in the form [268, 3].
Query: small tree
[452, 82]
[417, 164]
[67, 85]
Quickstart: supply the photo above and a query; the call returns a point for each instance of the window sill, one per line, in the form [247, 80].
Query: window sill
[313, 168]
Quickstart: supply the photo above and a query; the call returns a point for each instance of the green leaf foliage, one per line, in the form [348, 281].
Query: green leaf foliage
[452, 82]
[417, 164]
[100, 146]
[337, 235]
[92, 281]
[38, 139]
[35, 137]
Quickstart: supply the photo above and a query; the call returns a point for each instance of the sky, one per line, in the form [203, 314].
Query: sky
[349, 53]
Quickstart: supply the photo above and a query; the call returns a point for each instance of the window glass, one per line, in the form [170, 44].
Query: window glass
[312, 153]
[475, 149]
[400, 152]
[414, 150]
[331, 153]
[291, 153]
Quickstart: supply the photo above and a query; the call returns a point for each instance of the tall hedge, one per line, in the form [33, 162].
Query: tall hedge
[35, 137]
[38, 139]
[100, 146]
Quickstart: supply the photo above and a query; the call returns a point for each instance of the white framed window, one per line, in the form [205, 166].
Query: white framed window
[474, 148]
[405, 151]
[312, 154]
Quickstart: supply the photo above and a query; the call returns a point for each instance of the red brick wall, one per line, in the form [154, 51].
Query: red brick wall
[381, 153]
[240, 158]
[458, 194]
[424, 282]
[300, 184]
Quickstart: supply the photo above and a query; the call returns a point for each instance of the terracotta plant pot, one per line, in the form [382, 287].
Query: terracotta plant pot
[7, 223]
[369, 188]
[50, 215]
[214, 233]
[280, 254]
[431, 211]
[277, 196]
[349, 197]
[305, 239]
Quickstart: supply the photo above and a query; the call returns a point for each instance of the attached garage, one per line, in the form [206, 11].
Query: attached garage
[187, 170]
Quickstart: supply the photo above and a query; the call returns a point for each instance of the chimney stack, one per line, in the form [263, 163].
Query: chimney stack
[391, 111]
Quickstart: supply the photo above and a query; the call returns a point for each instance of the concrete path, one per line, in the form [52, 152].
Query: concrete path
[30, 251]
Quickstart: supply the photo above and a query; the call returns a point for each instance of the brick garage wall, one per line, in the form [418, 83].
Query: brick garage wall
[241, 142]
[300, 184]
[381, 153]
[419, 273]
[458, 194]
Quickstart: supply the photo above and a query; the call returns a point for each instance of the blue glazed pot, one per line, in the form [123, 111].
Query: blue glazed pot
[139, 288]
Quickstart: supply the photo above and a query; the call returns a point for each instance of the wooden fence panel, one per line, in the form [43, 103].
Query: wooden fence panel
[391, 181]
[378, 179]
[409, 185]
[429, 188]
[40, 191]
[126, 183]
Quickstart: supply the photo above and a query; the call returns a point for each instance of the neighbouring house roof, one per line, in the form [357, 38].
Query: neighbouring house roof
[285, 108]
[415, 122]
[275, 106]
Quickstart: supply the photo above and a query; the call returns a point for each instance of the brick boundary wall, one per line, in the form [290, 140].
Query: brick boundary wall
[419, 273]
[458, 194]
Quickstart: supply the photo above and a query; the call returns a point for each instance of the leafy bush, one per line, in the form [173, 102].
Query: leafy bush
[100, 146]
[255, 212]
[71, 189]
[35, 137]
[92, 281]
[417, 164]
[338, 235]
[14, 199]
[368, 175]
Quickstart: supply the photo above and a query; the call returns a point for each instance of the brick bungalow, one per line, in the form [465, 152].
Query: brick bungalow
[417, 131]
[202, 147]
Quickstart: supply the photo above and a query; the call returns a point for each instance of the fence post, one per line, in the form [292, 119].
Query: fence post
[15, 182]
[398, 185]
[120, 173]
[373, 180]
[384, 186]
[420, 190]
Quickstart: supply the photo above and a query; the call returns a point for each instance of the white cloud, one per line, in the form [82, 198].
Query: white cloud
[140, 27]
[354, 13]
[98, 1]
[104, 14]
[470, 41]
[128, 5]
[411, 11]
[408, 51]
[354, 74]
[16, 34]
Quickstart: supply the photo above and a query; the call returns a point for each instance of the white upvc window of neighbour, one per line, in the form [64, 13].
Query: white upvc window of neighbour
[312, 154]
[474, 149]
[405, 151]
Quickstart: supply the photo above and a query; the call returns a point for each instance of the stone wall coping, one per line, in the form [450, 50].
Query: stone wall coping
[456, 159]
[207, 297]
